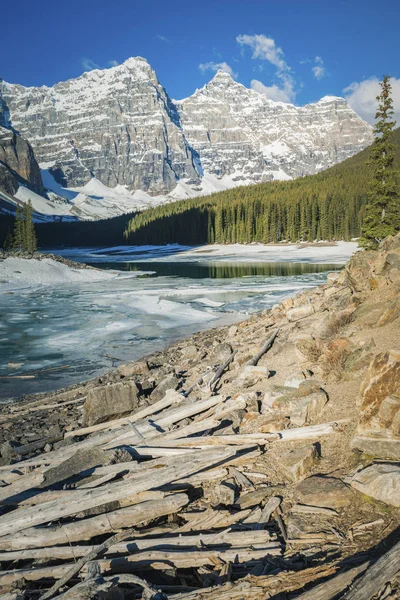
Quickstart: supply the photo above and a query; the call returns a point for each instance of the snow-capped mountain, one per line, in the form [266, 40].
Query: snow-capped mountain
[240, 133]
[112, 140]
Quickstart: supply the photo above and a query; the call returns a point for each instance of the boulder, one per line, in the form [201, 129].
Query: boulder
[135, 368]
[359, 274]
[308, 409]
[189, 352]
[333, 278]
[296, 464]
[381, 382]
[391, 314]
[223, 493]
[220, 353]
[267, 423]
[109, 402]
[384, 445]
[380, 481]
[302, 312]
[295, 380]
[170, 382]
[251, 375]
[378, 429]
[325, 491]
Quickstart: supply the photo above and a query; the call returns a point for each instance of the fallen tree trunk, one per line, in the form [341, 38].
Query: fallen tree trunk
[268, 344]
[384, 570]
[85, 499]
[36, 537]
[235, 539]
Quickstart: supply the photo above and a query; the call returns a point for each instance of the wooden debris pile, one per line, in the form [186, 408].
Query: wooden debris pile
[164, 503]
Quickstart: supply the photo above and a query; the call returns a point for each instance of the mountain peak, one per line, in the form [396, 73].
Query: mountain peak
[222, 76]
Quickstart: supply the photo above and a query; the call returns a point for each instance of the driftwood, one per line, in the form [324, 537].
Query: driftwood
[333, 586]
[272, 505]
[94, 526]
[232, 539]
[268, 344]
[382, 571]
[214, 381]
[85, 559]
[85, 499]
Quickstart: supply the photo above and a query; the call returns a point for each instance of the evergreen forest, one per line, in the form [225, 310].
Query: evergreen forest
[327, 206]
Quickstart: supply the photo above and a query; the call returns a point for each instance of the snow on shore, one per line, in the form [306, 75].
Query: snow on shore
[21, 272]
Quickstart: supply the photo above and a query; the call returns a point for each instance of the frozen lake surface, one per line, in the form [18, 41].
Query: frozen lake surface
[66, 333]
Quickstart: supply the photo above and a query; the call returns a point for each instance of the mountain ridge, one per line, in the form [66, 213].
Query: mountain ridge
[119, 126]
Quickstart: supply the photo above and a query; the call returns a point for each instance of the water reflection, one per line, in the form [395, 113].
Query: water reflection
[219, 271]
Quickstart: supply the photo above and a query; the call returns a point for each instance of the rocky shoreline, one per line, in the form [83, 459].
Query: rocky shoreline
[291, 425]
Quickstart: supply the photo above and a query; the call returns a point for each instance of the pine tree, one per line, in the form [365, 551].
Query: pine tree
[24, 229]
[30, 235]
[382, 210]
[18, 242]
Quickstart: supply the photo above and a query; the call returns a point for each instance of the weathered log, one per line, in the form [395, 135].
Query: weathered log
[235, 539]
[186, 559]
[333, 586]
[259, 588]
[382, 571]
[154, 559]
[37, 537]
[90, 589]
[164, 422]
[268, 344]
[211, 519]
[91, 555]
[214, 381]
[307, 509]
[85, 499]
[267, 511]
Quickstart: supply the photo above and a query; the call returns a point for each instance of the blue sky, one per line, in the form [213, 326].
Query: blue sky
[292, 50]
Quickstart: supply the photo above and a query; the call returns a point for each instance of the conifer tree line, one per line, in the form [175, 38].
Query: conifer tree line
[23, 238]
[327, 206]
[338, 204]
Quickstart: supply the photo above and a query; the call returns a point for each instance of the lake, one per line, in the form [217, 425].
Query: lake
[58, 335]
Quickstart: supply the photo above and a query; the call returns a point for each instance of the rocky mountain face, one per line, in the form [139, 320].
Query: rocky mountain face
[117, 125]
[241, 133]
[120, 127]
[18, 162]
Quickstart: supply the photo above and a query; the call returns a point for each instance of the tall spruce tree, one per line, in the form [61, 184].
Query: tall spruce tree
[19, 227]
[382, 213]
[24, 229]
[29, 230]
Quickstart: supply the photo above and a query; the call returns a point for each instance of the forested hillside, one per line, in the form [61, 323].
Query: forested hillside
[328, 205]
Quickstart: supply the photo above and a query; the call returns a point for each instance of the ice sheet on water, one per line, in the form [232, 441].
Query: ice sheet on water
[77, 325]
[337, 253]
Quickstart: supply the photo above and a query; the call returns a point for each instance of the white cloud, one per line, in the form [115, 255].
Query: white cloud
[274, 92]
[362, 97]
[264, 48]
[88, 64]
[213, 66]
[113, 63]
[319, 69]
